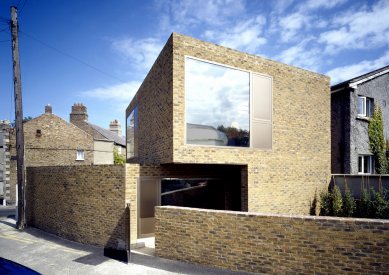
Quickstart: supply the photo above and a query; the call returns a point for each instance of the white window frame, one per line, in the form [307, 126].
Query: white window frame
[366, 112]
[363, 113]
[251, 119]
[80, 155]
[361, 160]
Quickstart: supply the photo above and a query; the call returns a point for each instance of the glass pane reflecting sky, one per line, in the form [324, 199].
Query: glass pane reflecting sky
[216, 95]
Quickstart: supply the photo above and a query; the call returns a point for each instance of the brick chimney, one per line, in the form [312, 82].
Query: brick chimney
[114, 126]
[48, 109]
[79, 114]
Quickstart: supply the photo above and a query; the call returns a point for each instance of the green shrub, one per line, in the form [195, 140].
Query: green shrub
[372, 204]
[349, 204]
[325, 203]
[364, 205]
[377, 141]
[118, 158]
[336, 201]
[313, 206]
[379, 206]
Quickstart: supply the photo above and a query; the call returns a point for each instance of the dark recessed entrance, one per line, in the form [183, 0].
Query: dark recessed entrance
[220, 187]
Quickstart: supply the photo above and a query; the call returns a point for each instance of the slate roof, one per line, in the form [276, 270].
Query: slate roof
[358, 78]
[109, 135]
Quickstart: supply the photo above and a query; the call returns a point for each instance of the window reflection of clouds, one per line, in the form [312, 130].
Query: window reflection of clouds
[132, 124]
[217, 95]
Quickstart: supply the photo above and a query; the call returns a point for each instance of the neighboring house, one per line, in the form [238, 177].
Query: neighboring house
[5, 191]
[352, 105]
[104, 140]
[51, 141]
[213, 127]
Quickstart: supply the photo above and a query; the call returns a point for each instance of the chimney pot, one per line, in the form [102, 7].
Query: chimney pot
[114, 126]
[79, 113]
[48, 109]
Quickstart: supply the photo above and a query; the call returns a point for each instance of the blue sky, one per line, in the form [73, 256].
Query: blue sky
[98, 52]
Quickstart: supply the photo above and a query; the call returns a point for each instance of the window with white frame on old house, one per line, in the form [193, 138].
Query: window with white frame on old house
[227, 106]
[80, 155]
[365, 106]
[365, 164]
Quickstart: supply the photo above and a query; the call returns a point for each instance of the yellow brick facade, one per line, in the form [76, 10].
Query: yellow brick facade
[281, 180]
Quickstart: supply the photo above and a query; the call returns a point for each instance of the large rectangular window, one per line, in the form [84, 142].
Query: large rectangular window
[131, 135]
[226, 106]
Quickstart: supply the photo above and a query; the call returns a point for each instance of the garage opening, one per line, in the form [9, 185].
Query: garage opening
[208, 193]
[220, 187]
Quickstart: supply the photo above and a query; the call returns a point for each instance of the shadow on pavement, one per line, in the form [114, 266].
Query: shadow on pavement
[8, 223]
[175, 266]
[95, 255]
[91, 259]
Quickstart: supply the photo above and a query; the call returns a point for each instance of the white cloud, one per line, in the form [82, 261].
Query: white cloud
[350, 71]
[246, 35]
[324, 4]
[180, 14]
[141, 52]
[120, 92]
[364, 29]
[292, 25]
[279, 6]
[216, 90]
[302, 55]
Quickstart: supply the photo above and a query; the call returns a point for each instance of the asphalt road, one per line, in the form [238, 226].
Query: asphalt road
[7, 212]
[49, 254]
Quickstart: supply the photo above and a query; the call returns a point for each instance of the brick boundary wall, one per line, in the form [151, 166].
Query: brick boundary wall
[272, 244]
[86, 204]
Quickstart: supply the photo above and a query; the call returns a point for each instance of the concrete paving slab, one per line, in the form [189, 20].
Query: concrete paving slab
[49, 254]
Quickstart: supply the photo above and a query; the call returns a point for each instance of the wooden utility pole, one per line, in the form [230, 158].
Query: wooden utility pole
[21, 222]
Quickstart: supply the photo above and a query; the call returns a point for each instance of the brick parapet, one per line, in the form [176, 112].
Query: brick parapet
[273, 244]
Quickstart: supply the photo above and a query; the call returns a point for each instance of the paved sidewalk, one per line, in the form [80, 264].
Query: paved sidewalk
[49, 254]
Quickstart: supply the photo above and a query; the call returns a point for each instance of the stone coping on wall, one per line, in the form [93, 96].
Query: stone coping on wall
[272, 243]
[292, 217]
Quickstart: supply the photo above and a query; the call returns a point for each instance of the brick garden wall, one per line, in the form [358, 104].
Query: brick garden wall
[273, 244]
[81, 203]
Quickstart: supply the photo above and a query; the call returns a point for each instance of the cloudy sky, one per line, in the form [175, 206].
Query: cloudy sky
[97, 51]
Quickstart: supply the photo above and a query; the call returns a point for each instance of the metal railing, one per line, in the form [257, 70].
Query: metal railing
[357, 183]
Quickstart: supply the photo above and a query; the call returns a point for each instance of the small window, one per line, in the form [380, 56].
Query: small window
[365, 106]
[38, 133]
[365, 164]
[80, 155]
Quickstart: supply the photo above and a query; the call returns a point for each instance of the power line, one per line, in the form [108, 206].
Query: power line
[71, 56]
[20, 10]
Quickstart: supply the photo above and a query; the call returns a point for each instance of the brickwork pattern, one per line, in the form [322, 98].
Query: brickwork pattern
[81, 203]
[273, 244]
[155, 111]
[282, 180]
[57, 143]
[134, 172]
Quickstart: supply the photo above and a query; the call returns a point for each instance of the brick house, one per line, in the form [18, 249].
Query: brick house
[215, 128]
[104, 140]
[52, 141]
[352, 105]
